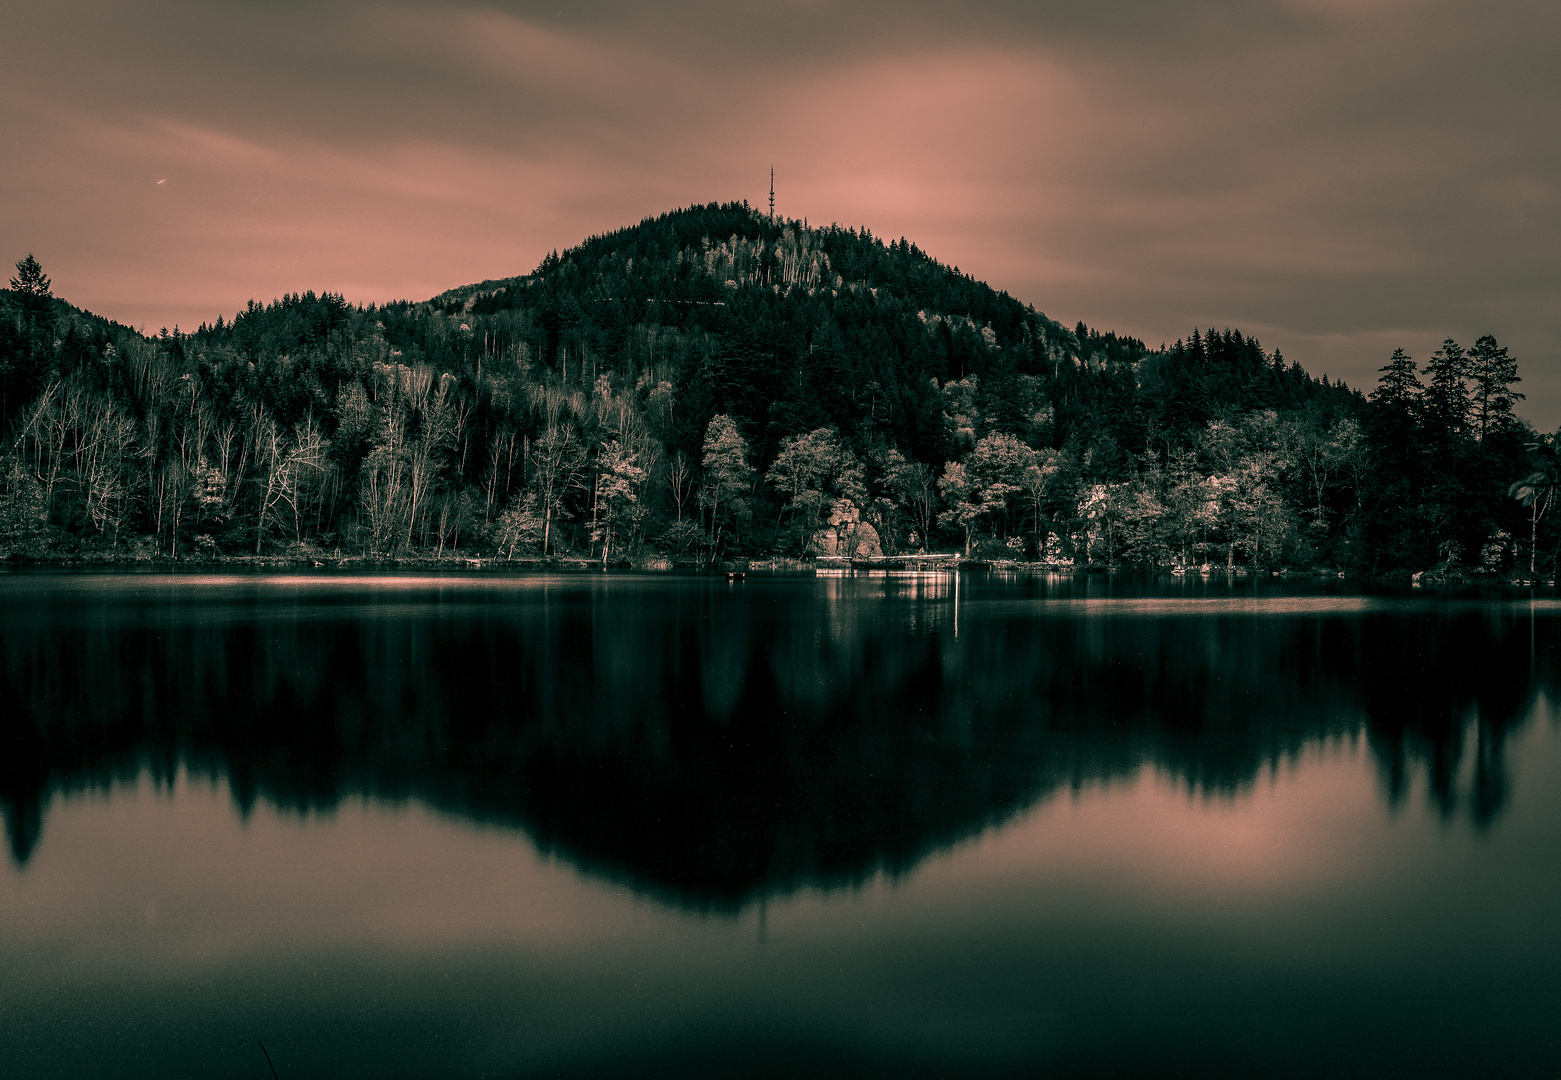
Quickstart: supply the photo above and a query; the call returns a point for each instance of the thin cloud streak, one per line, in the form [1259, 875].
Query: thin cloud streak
[1338, 178]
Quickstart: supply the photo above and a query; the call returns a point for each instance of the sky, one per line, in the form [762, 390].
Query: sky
[1338, 178]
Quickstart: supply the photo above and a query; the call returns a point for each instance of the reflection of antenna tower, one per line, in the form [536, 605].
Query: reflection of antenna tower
[772, 192]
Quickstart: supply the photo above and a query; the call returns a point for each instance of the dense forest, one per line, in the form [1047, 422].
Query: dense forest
[714, 383]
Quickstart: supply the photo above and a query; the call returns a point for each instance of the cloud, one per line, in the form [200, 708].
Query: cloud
[1329, 175]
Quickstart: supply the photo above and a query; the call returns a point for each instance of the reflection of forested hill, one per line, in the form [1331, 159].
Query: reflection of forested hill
[711, 744]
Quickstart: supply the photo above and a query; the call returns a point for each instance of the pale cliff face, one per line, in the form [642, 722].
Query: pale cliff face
[847, 535]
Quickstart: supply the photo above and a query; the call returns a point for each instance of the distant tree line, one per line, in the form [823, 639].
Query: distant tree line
[714, 383]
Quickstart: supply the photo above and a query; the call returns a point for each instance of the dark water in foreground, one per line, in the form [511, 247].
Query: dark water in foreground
[634, 825]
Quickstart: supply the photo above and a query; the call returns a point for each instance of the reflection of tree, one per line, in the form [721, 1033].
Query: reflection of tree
[24, 785]
[1449, 692]
[711, 744]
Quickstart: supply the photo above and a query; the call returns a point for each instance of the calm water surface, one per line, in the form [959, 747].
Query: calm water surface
[647, 825]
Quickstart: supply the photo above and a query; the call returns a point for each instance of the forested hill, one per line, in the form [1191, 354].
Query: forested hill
[712, 382]
[788, 329]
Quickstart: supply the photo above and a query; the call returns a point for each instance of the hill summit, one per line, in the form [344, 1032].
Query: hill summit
[789, 328]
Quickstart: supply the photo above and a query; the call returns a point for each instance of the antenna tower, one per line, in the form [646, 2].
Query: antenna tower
[772, 192]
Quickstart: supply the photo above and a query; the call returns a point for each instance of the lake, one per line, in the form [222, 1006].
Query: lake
[404, 825]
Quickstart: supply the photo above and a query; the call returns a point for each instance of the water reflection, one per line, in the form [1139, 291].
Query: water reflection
[712, 743]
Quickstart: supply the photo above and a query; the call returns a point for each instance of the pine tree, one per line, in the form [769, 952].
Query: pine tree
[30, 281]
[1493, 372]
[1399, 387]
[1391, 512]
[1449, 485]
[1394, 420]
[1447, 396]
[27, 356]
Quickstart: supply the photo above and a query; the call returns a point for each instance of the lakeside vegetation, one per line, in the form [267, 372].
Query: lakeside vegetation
[712, 383]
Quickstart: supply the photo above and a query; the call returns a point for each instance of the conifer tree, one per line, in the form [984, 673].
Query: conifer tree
[1398, 390]
[1446, 447]
[30, 281]
[1396, 411]
[1447, 396]
[25, 358]
[1494, 372]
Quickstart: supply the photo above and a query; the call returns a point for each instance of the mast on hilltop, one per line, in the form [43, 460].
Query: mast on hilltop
[772, 192]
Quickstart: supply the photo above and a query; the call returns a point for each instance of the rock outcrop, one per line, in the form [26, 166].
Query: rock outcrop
[847, 535]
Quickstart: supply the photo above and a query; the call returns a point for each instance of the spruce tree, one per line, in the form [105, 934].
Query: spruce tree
[1391, 505]
[1494, 372]
[1449, 483]
[25, 359]
[1447, 396]
[30, 282]
[1398, 390]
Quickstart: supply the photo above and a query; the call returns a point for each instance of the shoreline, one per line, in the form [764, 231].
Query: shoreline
[945, 562]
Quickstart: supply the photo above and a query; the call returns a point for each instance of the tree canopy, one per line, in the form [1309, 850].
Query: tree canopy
[713, 381]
